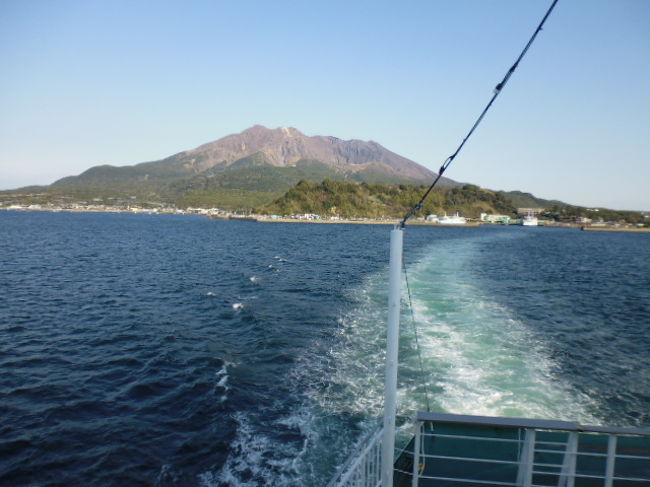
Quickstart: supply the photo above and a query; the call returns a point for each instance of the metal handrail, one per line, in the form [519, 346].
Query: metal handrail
[349, 475]
[533, 461]
[527, 468]
[542, 424]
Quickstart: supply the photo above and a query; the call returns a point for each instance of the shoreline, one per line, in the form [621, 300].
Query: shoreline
[361, 222]
[261, 219]
[616, 229]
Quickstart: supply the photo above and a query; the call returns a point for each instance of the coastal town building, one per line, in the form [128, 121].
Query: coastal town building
[488, 218]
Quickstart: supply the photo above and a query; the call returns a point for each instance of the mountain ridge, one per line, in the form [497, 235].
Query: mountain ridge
[254, 168]
[282, 147]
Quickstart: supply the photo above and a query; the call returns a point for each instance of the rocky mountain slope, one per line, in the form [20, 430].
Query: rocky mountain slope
[282, 147]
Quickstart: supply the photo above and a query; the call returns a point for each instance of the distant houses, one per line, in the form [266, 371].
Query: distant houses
[504, 219]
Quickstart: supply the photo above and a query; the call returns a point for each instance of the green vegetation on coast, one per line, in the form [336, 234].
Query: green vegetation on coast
[350, 200]
[568, 212]
[365, 200]
[248, 183]
[264, 190]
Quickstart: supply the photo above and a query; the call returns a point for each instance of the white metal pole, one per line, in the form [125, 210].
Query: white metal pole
[611, 461]
[390, 384]
[416, 454]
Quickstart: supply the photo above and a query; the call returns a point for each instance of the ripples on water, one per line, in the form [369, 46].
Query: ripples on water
[173, 351]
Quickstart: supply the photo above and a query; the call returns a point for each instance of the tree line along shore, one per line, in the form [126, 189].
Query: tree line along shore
[343, 201]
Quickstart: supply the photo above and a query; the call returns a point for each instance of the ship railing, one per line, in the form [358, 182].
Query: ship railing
[472, 451]
[363, 468]
[450, 450]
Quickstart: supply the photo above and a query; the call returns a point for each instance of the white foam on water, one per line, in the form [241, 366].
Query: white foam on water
[222, 376]
[299, 448]
[477, 357]
[353, 367]
[222, 387]
[244, 466]
[256, 459]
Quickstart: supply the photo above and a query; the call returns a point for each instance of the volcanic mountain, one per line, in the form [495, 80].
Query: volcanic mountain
[282, 147]
[257, 167]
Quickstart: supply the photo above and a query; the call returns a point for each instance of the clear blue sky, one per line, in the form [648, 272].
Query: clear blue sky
[96, 82]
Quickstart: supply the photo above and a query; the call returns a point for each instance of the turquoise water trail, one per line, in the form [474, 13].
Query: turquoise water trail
[478, 358]
[482, 359]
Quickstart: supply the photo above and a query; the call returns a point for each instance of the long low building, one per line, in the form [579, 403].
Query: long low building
[495, 218]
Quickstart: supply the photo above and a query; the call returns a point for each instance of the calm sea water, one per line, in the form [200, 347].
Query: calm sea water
[180, 351]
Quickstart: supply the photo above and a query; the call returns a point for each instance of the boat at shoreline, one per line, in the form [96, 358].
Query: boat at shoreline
[452, 220]
[530, 220]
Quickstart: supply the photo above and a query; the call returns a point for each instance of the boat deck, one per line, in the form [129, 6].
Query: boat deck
[470, 451]
[450, 450]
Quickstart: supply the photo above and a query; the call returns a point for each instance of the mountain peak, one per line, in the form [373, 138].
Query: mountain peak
[254, 129]
[281, 147]
[260, 130]
[284, 146]
[291, 132]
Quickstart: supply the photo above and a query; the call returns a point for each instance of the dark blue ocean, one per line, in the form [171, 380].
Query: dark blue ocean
[181, 351]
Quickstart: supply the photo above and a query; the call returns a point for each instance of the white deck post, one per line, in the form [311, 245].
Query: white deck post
[568, 473]
[390, 384]
[526, 460]
[611, 461]
[416, 454]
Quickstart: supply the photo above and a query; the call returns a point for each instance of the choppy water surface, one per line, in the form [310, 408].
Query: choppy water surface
[180, 351]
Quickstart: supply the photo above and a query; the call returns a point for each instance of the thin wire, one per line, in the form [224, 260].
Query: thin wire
[497, 91]
[417, 343]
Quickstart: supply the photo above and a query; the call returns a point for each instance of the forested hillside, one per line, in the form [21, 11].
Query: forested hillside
[346, 199]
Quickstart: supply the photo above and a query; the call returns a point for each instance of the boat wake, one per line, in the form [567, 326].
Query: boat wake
[273, 454]
[477, 358]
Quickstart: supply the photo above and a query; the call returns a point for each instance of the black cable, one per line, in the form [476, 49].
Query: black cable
[497, 91]
[417, 343]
